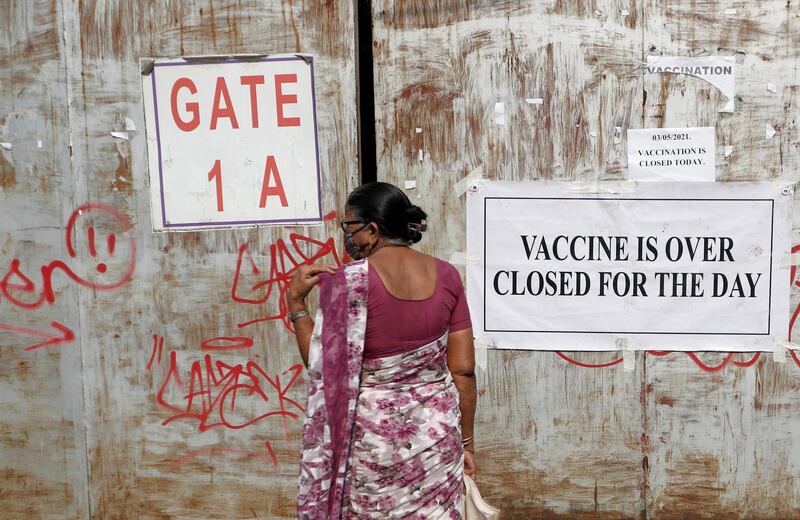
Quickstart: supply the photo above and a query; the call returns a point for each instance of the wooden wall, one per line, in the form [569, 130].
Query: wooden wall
[119, 420]
[676, 438]
[82, 422]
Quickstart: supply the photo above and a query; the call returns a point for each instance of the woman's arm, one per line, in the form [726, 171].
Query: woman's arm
[303, 280]
[461, 362]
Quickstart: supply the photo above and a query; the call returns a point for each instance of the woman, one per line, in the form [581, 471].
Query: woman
[389, 420]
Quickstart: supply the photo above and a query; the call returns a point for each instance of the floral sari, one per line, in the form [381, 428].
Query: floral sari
[382, 436]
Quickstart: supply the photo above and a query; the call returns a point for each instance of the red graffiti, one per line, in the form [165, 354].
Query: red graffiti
[268, 285]
[729, 357]
[20, 290]
[211, 389]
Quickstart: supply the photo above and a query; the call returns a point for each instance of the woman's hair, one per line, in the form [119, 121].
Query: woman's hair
[387, 205]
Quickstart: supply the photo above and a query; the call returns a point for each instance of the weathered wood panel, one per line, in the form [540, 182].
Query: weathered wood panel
[723, 445]
[669, 440]
[42, 439]
[166, 434]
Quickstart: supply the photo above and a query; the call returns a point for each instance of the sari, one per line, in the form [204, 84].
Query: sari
[381, 437]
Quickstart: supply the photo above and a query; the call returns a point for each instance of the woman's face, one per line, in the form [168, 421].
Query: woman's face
[359, 236]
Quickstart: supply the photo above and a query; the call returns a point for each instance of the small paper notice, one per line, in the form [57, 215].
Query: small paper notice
[720, 71]
[671, 154]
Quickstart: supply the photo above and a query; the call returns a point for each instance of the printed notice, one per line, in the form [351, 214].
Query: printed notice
[671, 154]
[720, 71]
[673, 265]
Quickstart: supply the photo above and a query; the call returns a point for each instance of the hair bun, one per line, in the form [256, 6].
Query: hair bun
[417, 223]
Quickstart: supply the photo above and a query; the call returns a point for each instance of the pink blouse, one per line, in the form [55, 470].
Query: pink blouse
[396, 325]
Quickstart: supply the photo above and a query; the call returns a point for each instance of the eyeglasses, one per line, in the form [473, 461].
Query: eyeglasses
[346, 223]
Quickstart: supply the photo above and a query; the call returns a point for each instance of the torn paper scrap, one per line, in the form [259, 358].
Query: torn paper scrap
[6, 146]
[410, 185]
[769, 131]
[418, 130]
[720, 71]
[772, 87]
[728, 150]
[730, 10]
[534, 101]
[120, 135]
[421, 155]
[129, 126]
[39, 143]
[499, 116]
[625, 12]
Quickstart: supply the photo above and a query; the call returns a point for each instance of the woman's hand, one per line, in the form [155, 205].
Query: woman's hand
[469, 464]
[303, 280]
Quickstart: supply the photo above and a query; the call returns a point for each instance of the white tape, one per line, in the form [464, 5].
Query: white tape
[461, 258]
[534, 101]
[628, 360]
[418, 130]
[471, 181]
[481, 346]
[789, 260]
[769, 131]
[772, 87]
[410, 185]
[120, 135]
[6, 146]
[39, 143]
[421, 156]
[728, 150]
[625, 12]
[628, 354]
[779, 354]
[730, 10]
[606, 187]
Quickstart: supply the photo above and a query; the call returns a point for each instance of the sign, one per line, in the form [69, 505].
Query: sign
[671, 154]
[672, 266]
[232, 142]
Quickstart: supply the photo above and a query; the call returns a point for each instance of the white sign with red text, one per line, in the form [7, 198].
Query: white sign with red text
[232, 142]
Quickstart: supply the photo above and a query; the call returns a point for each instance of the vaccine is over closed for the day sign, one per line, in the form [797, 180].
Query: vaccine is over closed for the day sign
[232, 142]
[670, 265]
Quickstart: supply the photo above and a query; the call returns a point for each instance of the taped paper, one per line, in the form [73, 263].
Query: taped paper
[672, 154]
[720, 71]
[410, 185]
[728, 150]
[769, 131]
[603, 187]
[471, 180]
[499, 115]
[120, 135]
[534, 101]
[6, 146]
[129, 124]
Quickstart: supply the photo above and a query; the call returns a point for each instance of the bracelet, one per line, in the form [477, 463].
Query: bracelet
[466, 441]
[296, 315]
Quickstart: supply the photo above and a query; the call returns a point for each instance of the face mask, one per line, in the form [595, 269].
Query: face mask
[352, 249]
